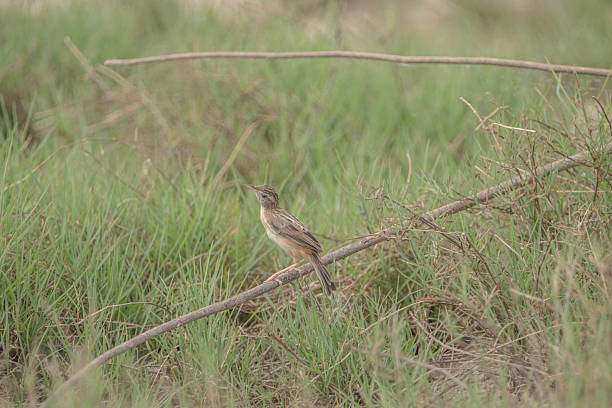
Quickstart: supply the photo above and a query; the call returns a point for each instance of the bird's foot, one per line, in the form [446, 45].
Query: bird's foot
[276, 274]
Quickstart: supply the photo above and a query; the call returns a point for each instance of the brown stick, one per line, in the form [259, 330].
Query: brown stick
[398, 59]
[460, 205]
[524, 178]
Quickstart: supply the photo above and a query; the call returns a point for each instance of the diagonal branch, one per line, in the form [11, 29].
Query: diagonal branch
[398, 59]
[482, 196]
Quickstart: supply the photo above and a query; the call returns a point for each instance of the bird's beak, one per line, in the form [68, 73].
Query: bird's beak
[250, 186]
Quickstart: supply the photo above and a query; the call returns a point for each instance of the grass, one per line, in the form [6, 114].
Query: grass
[107, 198]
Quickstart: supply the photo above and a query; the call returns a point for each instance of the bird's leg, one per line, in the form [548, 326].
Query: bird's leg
[290, 267]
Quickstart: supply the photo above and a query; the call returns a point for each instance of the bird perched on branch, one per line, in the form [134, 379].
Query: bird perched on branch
[291, 235]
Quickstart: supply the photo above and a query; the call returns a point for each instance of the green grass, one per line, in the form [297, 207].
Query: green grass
[99, 209]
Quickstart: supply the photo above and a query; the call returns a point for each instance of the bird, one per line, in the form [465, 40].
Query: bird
[286, 231]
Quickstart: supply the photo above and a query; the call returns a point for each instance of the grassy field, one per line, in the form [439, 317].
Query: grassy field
[122, 206]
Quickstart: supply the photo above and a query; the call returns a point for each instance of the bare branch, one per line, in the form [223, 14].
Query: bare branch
[398, 59]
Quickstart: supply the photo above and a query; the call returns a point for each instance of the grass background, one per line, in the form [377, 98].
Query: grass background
[108, 196]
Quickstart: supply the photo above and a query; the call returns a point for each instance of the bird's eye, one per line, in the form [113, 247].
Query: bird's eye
[264, 196]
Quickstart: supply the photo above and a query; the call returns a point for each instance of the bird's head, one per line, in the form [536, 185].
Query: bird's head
[266, 195]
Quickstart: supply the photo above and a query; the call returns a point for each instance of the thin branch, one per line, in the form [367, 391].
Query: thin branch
[513, 128]
[603, 111]
[452, 208]
[398, 59]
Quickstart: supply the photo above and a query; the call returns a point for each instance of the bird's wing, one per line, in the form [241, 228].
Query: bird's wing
[289, 227]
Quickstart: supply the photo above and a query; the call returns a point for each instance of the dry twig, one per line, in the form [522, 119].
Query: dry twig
[398, 59]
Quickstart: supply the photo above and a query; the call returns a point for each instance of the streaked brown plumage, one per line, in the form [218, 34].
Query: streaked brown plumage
[290, 235]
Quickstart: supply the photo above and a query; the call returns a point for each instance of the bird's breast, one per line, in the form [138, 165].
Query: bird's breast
[284, 243]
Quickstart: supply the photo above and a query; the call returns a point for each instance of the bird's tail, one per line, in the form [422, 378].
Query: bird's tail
[324, 276]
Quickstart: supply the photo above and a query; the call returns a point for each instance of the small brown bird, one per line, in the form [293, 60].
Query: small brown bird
[291, 235]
